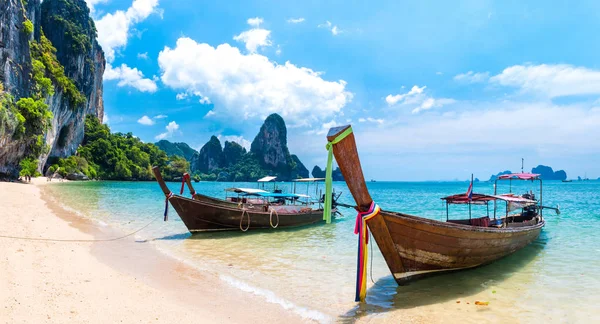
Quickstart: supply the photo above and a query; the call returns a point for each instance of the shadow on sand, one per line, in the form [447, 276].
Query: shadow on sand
[386, 295]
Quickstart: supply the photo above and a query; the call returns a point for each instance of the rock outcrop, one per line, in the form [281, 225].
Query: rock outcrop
[546, 173]
[232, 153]
[177, 148]
[299, 170]
[270, 144]
[269, 155]
[68, 26]
[336, 175]
[209, 158]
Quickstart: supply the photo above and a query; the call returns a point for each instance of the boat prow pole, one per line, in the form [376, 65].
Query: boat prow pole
[161, 182]
[188, 180]
[346, 155]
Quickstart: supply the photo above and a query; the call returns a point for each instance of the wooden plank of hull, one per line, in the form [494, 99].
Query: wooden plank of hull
[201, 216]
[428, 246]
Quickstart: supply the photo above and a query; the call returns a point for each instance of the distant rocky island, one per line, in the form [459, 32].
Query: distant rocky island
[545, 172]
[268, 155]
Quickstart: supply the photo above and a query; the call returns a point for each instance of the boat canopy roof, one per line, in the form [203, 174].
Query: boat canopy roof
[308, 179]
[274, 195]
[520, 176]
[481, 199]
[246, 190]
[267, 179]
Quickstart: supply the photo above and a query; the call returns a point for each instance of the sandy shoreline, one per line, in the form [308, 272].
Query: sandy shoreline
[99, 282]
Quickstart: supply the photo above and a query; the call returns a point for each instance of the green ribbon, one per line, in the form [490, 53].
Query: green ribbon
[329, 171]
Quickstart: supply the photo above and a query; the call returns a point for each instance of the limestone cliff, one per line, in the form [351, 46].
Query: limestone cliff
[56, 33]
[177, 148]
[209, 158]
[270, 144]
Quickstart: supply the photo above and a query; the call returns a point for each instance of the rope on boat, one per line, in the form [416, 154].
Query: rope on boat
[68, 240]
[271, 218]
[363, 240]
[244, 211]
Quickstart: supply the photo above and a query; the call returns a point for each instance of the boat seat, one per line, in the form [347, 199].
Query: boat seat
[482, 221]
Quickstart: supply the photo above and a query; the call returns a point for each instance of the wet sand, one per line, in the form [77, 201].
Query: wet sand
[101, 282]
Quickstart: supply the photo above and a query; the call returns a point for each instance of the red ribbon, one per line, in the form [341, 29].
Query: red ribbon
[185, 175]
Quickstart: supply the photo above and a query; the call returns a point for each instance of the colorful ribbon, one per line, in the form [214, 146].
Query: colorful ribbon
[185, 175]
[329, 171]
[167, 205]
[363, 253]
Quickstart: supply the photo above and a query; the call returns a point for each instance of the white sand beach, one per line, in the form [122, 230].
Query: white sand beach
[104, 282]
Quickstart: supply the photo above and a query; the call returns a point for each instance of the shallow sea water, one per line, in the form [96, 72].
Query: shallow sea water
[311, 270]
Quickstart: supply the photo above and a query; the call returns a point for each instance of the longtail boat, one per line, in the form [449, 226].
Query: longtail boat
[414, 246]
[204, 213]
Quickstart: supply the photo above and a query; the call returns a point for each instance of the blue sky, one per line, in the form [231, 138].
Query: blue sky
[434, 90]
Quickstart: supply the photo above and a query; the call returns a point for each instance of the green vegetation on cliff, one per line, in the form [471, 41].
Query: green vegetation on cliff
[179, 149]
[43, 56]
[118, 156]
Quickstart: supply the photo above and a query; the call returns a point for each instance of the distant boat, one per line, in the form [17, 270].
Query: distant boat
[414, 246]
[252, 209]
[373, 180]
[569, 180]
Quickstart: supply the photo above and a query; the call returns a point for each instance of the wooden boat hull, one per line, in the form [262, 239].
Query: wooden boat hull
[422, 247]
[220, 215]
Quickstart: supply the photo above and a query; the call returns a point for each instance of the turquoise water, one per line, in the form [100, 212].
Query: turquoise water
[311, 270]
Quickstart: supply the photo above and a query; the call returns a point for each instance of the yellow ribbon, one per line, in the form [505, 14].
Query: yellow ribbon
[328, 175]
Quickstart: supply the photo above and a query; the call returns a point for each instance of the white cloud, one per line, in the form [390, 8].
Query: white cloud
[113, 29]
[171, 128]
[238, 139]
[113, 33]
[295, 20]
[255, 37]
[371, 120]
[333, 28]
[131, 77]
[92, 4]
[181, 96]
[433, 103]
[416, 97]
[250, 85]
[143, 56]
[204, 100]
[255, 22]
[394, 99]
[160, 116]
[209, 113]
[145, 120]
[472, 77]
[551, 80]
[494, 127]
[105, 119]
[278, 51]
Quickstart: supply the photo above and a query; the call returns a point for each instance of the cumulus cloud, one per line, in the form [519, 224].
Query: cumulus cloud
[335, 30]
[143, 56]
[171, 128]
[113, 33]
[250, 85]
[394, 99]
[145, 120]
[255, 22]
[160, 116]
[238, 139]
[209, 113]
[131, 77]
[295, 20]
[418, 99]
[472, 77]
[255, 37]
[181, 96]
[551, 80]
